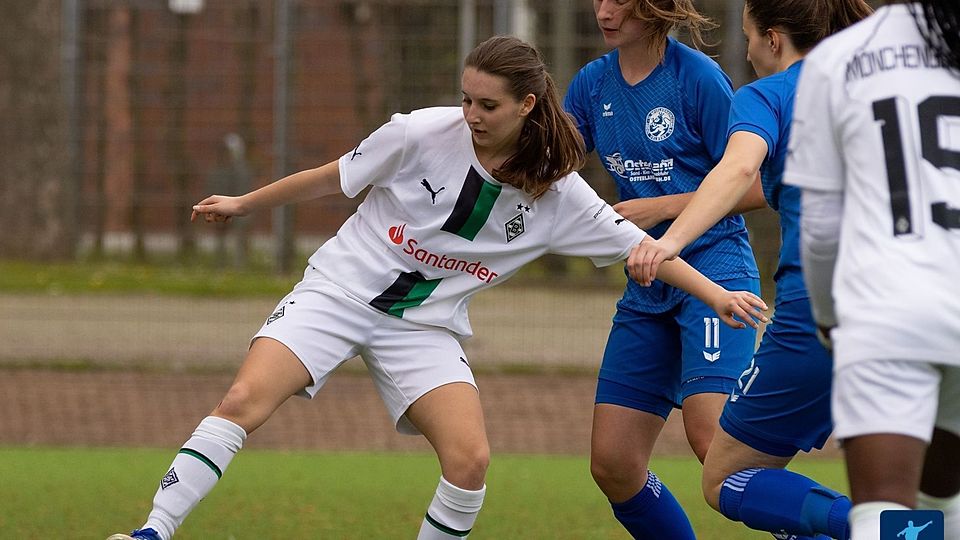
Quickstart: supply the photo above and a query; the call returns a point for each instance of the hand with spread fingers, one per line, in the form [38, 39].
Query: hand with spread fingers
[737, 309]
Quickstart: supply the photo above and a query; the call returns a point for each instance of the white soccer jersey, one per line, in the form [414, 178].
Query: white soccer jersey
[436, 228]
[877, 118]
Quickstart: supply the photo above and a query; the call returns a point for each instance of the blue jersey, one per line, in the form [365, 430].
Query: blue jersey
[765, 108]
[661, 136]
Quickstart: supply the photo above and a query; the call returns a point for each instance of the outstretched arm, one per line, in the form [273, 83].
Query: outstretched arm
[647, 212]
[733, 184]
[301, 186]
[736, 308]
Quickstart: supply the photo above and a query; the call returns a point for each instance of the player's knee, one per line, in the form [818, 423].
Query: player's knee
[466, 465]
[612, 470]
[239, 406]
[599, 470]
[478, 459]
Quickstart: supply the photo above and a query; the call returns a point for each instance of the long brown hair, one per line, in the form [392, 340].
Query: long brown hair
[939, 23]
[807, 22]
[550, 147]
[664, 16]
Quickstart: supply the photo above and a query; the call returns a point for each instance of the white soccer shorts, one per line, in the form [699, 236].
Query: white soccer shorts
[324, 327]
[895, 396]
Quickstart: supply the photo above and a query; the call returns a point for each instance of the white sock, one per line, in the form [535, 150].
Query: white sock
[865, 519]
[194, 472]
[950, 507]
[452, 512]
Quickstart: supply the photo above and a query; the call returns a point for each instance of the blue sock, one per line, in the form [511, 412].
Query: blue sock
[654, 513]
[778, 500]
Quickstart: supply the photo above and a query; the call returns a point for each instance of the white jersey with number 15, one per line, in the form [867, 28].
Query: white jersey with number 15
[882, 124]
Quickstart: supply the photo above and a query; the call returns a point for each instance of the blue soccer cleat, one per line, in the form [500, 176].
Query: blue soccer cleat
[139, 534]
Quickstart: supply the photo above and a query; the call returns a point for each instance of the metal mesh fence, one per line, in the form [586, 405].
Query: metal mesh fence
[120, 114]
[146, 109]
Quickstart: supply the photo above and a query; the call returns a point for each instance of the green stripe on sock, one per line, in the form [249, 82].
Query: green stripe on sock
[443, 528]
[204, 459]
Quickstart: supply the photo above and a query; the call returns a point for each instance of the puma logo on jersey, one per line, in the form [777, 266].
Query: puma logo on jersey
[396, 234]
[433, 194]
[619, 221]
[356, 153]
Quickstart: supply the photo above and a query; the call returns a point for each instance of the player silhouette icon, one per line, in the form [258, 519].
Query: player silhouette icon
[910, 532]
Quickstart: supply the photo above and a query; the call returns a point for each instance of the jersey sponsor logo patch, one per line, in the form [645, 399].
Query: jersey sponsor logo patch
[441, 260]
[514, 227]
[396, 234]
[607, 112]
[169, 479]
[660, 123]
[615, 164]
[639, 170]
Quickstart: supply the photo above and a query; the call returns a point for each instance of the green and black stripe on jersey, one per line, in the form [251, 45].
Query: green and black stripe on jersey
[473, 206]
[409, 290]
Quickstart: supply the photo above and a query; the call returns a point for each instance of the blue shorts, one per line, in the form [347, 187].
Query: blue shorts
[653, 361]
[781, 403]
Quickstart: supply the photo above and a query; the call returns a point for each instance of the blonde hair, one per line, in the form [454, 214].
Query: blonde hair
[664, 16]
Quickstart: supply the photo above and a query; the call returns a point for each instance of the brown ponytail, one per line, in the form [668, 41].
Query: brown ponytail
[550, 147]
